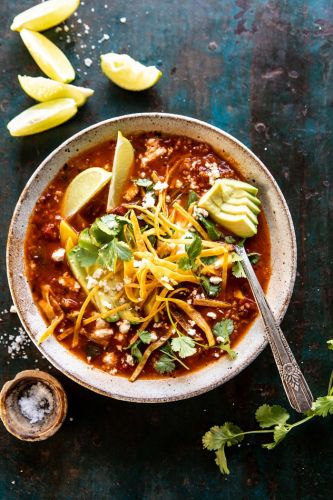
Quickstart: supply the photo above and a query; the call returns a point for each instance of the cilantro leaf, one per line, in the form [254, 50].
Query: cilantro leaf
[195, 248]
[208, 261]
[323, 406]
[229, 239]
[210, 227]
[267, 416]
[217, 438]
[85, 241]
[145, 337]
[135, 351]
[210, 289]
[254, 257]
[192, 197]
[164, 364]
[330, 344]
[238, 271]
[145, 183]
[280, 432]
[108, 254]
[221, 461]
[185, 263]
[224, 329]
[184, 346]
[85, 257]
[93, 350]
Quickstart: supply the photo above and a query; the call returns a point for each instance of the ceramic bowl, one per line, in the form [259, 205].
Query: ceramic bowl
[279, 290]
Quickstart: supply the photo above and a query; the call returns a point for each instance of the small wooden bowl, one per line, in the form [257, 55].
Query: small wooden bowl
[13, 419]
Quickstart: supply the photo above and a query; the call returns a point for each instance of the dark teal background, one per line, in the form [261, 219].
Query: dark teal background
[262, 70]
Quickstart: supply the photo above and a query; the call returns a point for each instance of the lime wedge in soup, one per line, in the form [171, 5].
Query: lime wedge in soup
[82, 189]
[45, 15]
[43, 90]
[234, 205]
[51, 60]
[128, 73]
[42, 117]
[122, 164]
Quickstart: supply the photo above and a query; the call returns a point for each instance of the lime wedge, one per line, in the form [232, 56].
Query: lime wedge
[43, 90]
[128, 73]
[45, 15]
[122, 163]
[42, 117]
[82, 189]
[48, 56]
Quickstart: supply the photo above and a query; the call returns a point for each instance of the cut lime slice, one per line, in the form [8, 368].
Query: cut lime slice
[51, 60]
[122, 163]
[43, 90]
[128, 73]
[42, 117]
[82, 189]
[45, 15]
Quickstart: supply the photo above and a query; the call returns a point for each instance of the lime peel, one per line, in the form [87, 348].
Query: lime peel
[45, 15]
[51, 60]
[128, 73]
[122, 164]
[43, 90]
[42, 117]
[82, 189]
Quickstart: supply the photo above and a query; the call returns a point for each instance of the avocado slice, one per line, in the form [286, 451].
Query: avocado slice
[246, 202]
[239, 224]
[234, 205]
[244, 194]
[228, 208]
[82, 273]
[237, 185]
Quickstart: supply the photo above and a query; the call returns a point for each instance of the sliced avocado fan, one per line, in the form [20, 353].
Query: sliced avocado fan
[234, 205]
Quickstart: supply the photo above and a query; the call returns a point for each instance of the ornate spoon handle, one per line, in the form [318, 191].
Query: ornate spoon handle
[294, 383]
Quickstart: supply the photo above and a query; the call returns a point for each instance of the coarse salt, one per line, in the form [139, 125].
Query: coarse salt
[36, 403]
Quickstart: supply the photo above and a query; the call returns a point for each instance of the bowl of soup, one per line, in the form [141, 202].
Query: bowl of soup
[121, 256]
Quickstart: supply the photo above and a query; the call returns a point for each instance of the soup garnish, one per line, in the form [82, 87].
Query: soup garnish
[140, 278]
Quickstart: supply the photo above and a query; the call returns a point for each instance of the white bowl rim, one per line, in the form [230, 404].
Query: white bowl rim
[231, 373]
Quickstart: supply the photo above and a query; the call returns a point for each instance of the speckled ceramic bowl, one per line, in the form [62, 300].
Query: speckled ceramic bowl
[280, 286]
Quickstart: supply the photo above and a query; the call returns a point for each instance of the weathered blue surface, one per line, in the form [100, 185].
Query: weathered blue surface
[261, 70]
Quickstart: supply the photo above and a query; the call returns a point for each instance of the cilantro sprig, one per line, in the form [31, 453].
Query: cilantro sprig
[102, 243]
[223, 330]
[193, 251]
[272, 420]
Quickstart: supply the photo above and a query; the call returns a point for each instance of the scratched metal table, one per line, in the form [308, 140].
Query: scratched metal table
[262, 70]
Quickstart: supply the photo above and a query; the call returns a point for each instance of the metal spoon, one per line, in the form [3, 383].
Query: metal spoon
[294, 383]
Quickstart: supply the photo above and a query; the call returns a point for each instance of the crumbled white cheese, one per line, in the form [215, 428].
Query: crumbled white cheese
[136, 263]
[98, 274]
[215, 280]
[178, 183]
[110, 358]
[13, 310]
[129, 360]
[211, 315]
[191, 332]
[160, 186]
[103, 333]
[199, 211]
[58, 255]
[153, 337]
[191, 322]
[88, 62]
[220, 340]
[91, 282]
[124, 326]
[149, 200]
[104, 285]
[118, 287]
[165, 279]
[113, 371]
